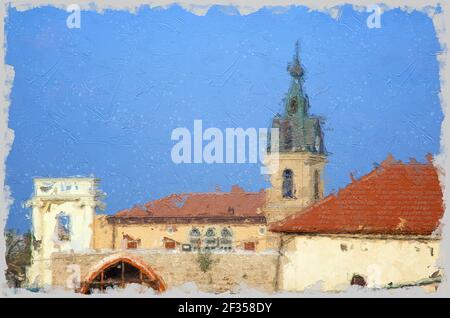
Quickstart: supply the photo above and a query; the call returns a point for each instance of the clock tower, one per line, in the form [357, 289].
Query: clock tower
[297, 181]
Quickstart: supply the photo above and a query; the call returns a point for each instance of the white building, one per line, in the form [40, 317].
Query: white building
[63, 216]
[381, 231]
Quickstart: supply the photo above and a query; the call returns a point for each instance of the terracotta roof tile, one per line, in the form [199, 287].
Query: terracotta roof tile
[395, 198]
[236, 203]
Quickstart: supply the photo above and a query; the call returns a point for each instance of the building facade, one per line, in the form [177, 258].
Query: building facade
[287, 237]
[381, 231]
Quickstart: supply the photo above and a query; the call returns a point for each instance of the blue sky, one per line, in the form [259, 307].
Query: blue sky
[103, 100]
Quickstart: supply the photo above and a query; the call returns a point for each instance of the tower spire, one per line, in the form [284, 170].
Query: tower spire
[299, 154]
[295, 68]
[299, 131]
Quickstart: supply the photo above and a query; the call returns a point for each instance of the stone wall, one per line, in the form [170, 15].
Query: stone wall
[228, 271]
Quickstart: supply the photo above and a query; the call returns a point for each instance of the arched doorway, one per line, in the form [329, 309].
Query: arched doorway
[118, 272]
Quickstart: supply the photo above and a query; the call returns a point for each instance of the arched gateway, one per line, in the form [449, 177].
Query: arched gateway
[118, 271]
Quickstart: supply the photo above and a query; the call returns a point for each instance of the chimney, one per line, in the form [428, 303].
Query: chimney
[236, 189]
[388, 161]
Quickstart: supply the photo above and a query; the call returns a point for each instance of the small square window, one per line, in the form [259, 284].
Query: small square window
[170, 245]
[131, 244]
[170, 230]
[249, 246]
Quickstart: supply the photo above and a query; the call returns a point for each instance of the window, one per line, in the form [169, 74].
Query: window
[194, 238]
[226, 239]
[63, 227]
[186, 247]
[211, 232]
[358, 280]
[170, 245]
[170, 230]
[262, 230]
[288, 138]
[226, 232]
[316, 185]
[130, 242]
[210, 239]
[249, 246]
[293, 106]
[288, 184]
[195, 232]
[131, 245]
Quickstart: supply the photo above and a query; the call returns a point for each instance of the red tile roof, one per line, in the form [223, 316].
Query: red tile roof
[224, 205]
[395, 198]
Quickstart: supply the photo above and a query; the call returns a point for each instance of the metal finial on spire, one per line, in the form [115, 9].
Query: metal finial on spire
[295, 68]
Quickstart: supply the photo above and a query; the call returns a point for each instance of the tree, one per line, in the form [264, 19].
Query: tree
[18, 257]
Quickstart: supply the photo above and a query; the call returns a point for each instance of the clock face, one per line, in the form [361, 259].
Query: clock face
[293, 106]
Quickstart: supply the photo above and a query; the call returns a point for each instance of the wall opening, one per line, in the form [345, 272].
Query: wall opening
[288, 184]
[358, 280]
[119, 273]
[63, 227]
[316, 185]
[195, 238]
[211, 241]
[226, 239]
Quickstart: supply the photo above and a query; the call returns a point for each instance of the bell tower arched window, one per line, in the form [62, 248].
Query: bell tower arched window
[288, 184]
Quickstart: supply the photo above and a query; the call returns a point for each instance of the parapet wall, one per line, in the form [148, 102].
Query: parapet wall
[228, 271]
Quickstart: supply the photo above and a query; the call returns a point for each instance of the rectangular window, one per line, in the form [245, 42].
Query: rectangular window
[63, 227]
[186, 247]
[131, 244]
[226, 244]
[249, 246]
[170, 245]
[195, 243]
[210, 243]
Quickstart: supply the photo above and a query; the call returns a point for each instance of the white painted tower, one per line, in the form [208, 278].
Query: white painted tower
[63, 220]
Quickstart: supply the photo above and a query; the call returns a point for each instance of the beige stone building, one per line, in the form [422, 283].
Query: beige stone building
[287, 237]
